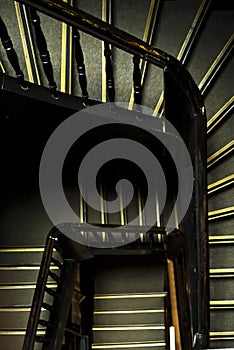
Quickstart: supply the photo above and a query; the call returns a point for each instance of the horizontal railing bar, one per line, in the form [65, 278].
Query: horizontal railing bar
[218, 117]
[220, 184]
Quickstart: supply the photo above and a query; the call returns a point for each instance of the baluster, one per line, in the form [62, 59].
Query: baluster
[57, 263]
[54, 276]
[40, 339]
[44, 53]
[137, 83]
[80, 66]
[11, 54]
[47, 307]
[109, 73]
[43, 323]
[50, 291]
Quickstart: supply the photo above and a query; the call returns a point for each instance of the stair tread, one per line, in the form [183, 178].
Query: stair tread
[126, 311]
[132, 326]
[148, 343]
[130, 295]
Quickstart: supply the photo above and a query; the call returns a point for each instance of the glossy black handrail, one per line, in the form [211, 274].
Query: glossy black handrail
[119, 38]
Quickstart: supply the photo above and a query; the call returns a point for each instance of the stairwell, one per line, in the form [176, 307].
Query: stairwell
[129, 302]
[24, 224]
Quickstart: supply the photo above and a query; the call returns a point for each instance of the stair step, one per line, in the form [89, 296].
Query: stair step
[138, 301]
[13, 318]
[130, 295]
[14, 342]
[140, 311]
[160, 345]
[127, 275]
[20, 294]
[154, 316]
[26, 273]
[131, 333]
[19, 256]
[128, 327]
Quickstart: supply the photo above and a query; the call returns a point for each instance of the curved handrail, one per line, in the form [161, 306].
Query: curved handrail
[121, 39]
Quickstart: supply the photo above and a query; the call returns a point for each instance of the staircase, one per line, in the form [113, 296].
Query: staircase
[24, 224]
[129, 303]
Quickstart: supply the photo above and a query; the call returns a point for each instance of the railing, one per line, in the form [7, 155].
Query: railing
[59, 295]
[71, 254]
[120, 39]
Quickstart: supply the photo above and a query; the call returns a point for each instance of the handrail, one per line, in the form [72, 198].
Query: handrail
[121, 39]
[39, 292]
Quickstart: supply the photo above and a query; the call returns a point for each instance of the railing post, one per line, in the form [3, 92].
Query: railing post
[11, 54]
[109, 73]
[80, 66]
[43, 51]
[137, 82]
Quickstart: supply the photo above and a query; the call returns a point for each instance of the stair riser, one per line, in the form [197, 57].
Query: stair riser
[16, 320]
[14, 342]
[20, 258]
[21, 276]
[127, 336]
[19, 297]
[115, 319]
[123, 304]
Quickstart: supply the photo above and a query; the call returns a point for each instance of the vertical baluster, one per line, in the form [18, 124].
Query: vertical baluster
[43, 51]
[66, 56]
[137, 83]
[150, 28]
[11, 54]
[27, 43]
[109, 73]
[80, 66]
